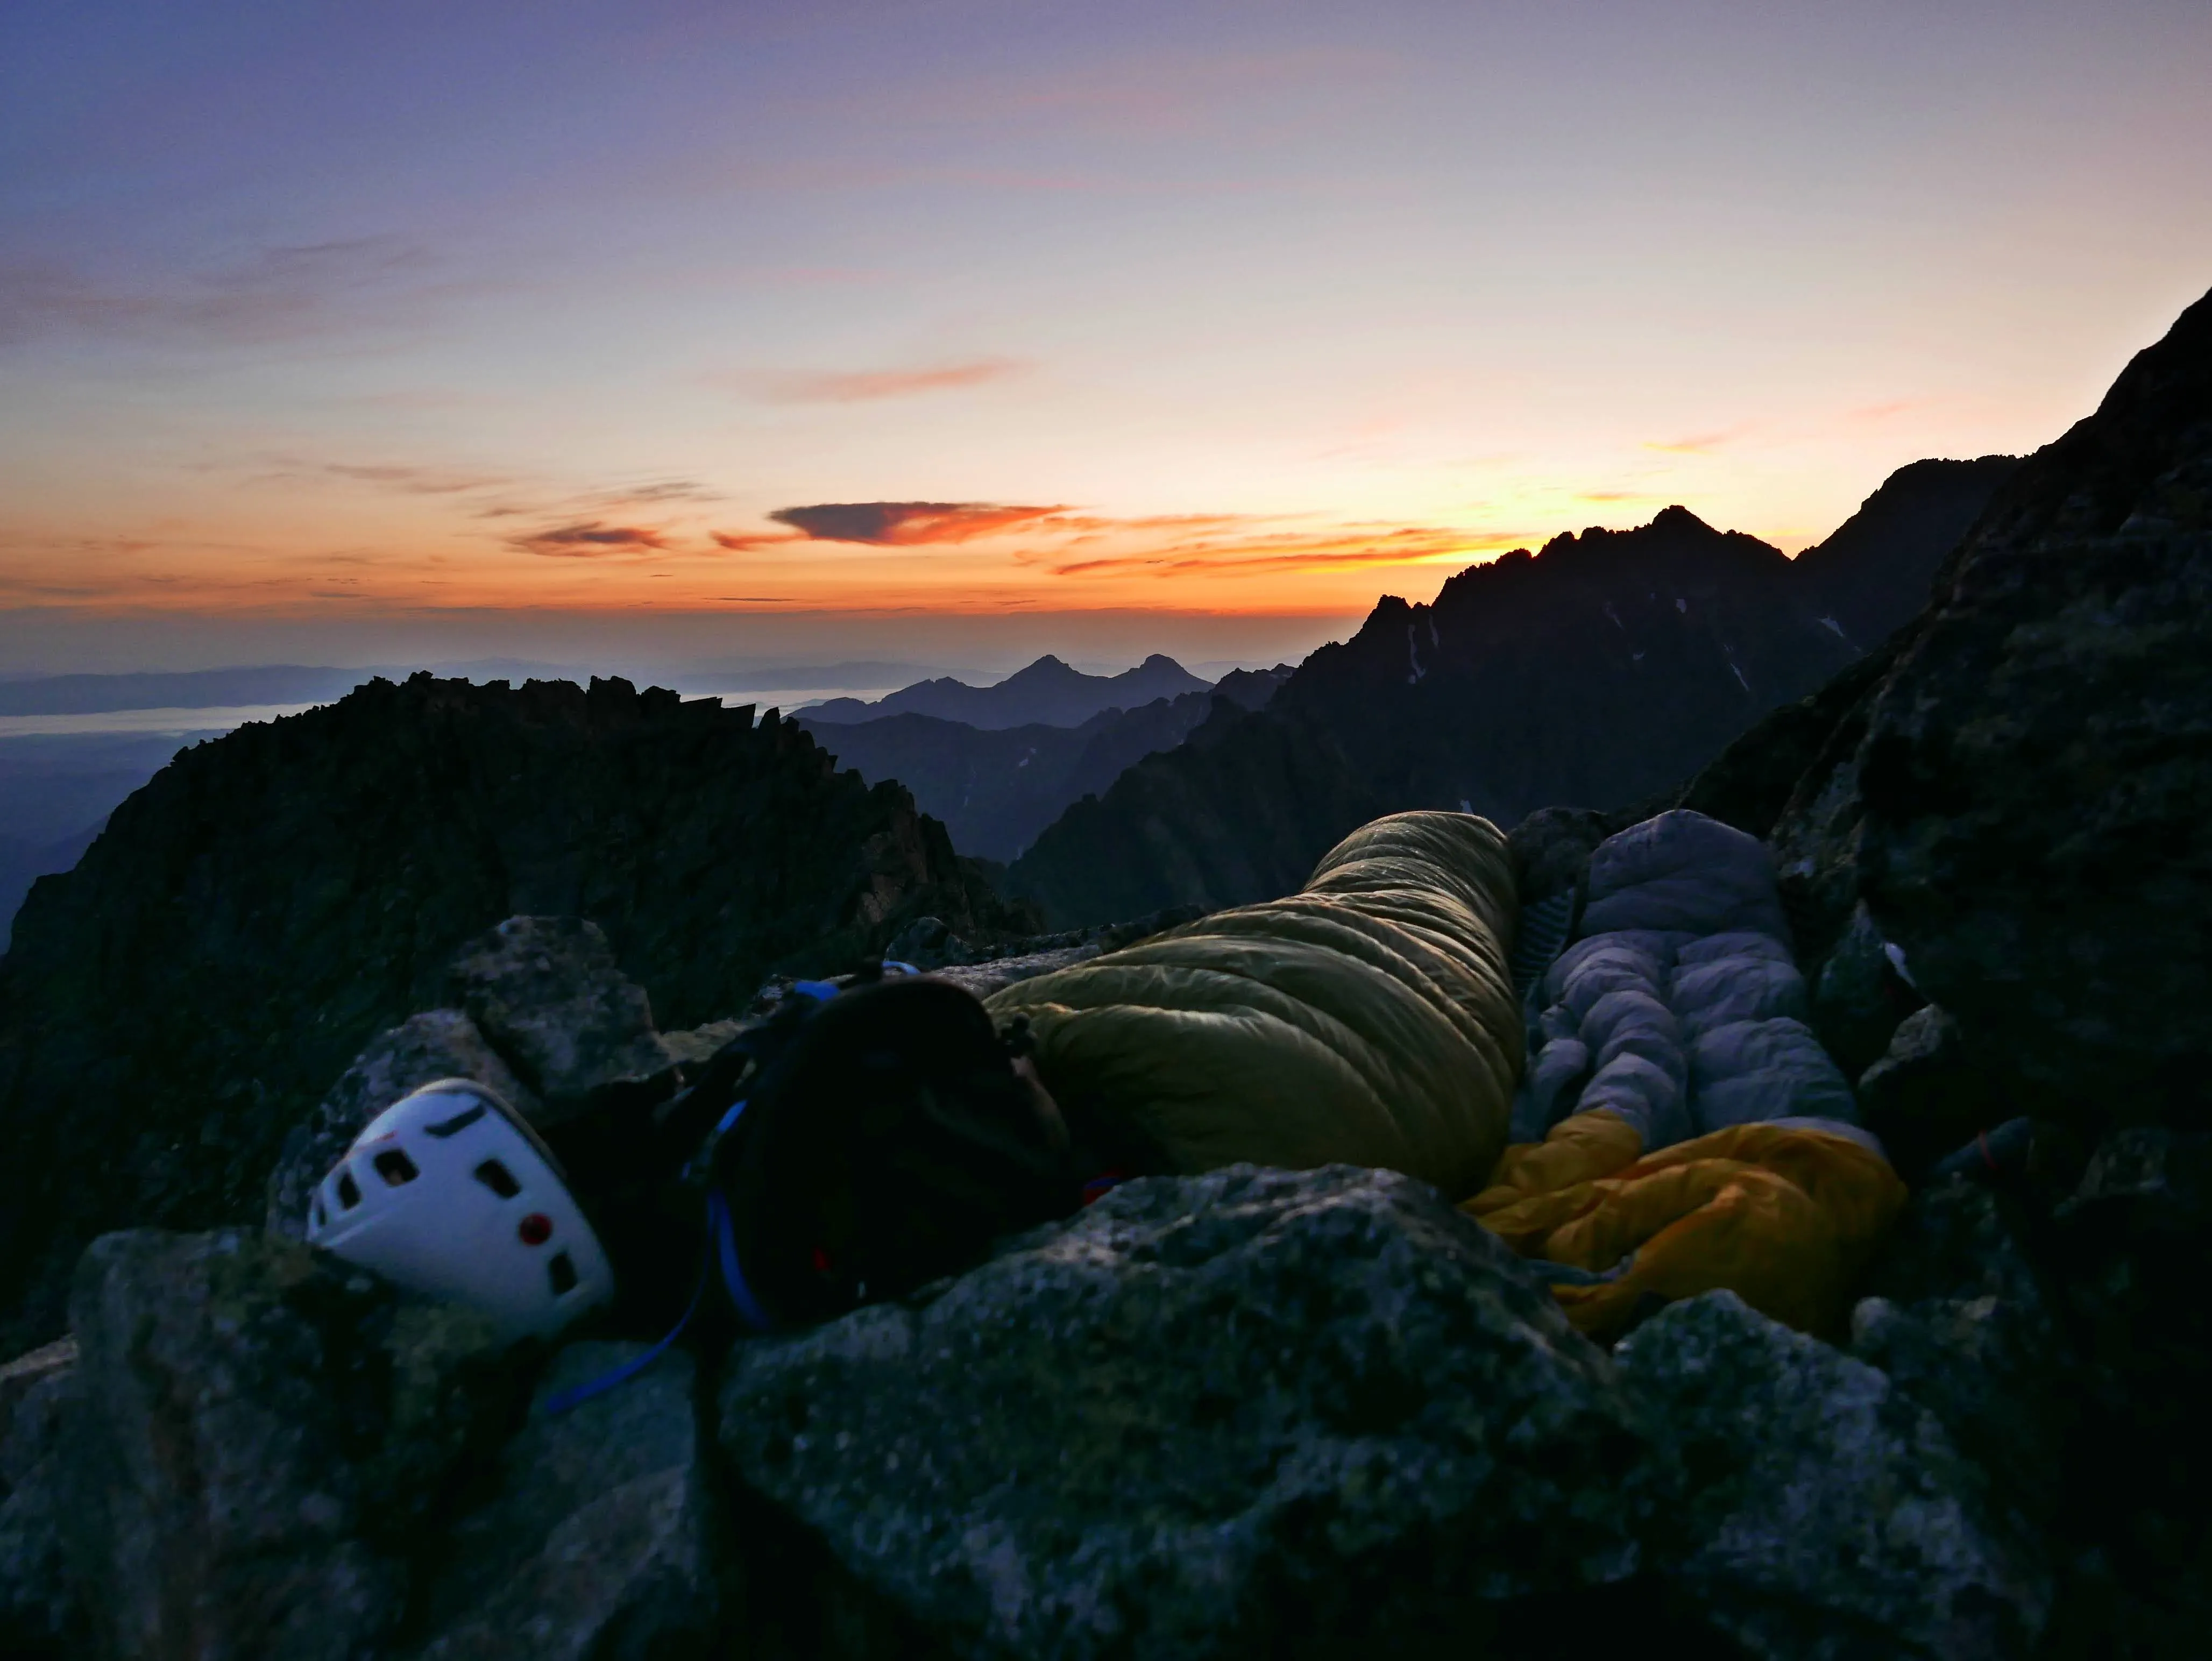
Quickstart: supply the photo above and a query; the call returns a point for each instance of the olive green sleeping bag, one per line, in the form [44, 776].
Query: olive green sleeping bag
[1368, 1019]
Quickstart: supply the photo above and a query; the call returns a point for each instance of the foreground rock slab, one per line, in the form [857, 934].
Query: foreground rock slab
[1827, 1516]
[1255, 1412]
[601, 1540]
[258, 1442]
[39, 1614]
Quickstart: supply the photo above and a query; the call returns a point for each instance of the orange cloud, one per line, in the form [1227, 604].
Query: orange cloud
[1345, 549]
[899, 525]
[1698, 444]
[590, 540]
[743, 542]
[868, 386]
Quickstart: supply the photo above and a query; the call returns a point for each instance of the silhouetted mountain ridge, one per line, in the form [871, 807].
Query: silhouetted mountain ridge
[1608, 666]
[1048, 693]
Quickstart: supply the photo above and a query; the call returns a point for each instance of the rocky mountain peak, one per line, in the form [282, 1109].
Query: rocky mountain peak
[2137, 466]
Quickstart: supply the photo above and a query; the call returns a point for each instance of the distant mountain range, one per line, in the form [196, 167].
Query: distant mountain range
[1048, 693]
[996, 788]
[1605, 668]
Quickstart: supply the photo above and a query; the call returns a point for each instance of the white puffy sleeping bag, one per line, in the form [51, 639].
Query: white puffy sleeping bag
[1679, 1007]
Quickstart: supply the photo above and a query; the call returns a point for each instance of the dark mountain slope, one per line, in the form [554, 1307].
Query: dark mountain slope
[57, 791]
[271, 900]
[1609, 666]
[995, 789]
[1873, 574]
[22, 863]
[1241, 809]
[2015, 793]
[1048, 693]
[2022, 797]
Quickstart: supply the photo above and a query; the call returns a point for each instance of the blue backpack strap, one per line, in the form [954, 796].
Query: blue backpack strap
[577, 1395]
[733, 1275]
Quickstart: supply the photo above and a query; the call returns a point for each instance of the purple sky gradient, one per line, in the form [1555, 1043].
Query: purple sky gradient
[330, 322]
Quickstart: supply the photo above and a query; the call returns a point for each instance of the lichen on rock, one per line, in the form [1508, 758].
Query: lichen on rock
[258, 1439]
[1255, 1412]
[1824, 1514]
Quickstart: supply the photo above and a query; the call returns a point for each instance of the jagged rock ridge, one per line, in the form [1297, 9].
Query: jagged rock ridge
[2019, 787]
[1610, 666]
[172, 1006]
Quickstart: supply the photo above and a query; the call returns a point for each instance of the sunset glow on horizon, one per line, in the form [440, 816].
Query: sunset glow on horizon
[335, 316]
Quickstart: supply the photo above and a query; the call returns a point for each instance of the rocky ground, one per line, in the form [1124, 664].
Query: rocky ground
[1258, 1412]
[1253, 1413]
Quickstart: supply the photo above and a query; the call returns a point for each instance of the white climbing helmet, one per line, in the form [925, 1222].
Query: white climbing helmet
[448, 1192]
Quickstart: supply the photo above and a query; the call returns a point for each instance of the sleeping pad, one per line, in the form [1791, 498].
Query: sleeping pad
[1369, 1019]
[1679, 1128]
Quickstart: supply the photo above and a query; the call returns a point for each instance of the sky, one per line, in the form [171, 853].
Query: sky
[955, 331]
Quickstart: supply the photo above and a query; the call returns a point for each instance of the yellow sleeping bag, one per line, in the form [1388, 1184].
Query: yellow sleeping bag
[1784, 1216]
[1369, 1019]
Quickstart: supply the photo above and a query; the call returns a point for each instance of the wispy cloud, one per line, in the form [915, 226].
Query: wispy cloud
[413, 481]
[1878, 412]
[1146, 94]
[280, 293]
[664, 490]
[872, 385]
[592, 540]
[897, 524]
[1698, 444]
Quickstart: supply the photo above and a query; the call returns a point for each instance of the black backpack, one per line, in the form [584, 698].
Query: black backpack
[883, 1139]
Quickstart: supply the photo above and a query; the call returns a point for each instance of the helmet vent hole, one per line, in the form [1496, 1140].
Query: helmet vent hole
[316, 1215]
[395, 1167]
[349, 1190]
[562, 1273]
[497, 1177]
